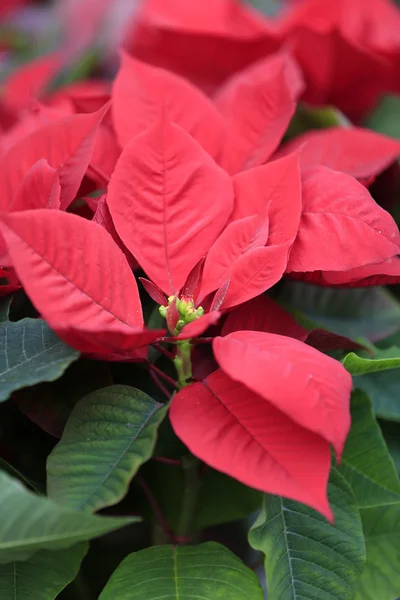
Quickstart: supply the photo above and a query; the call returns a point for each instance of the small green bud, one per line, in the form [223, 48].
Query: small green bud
[200, 311]
[163, 311]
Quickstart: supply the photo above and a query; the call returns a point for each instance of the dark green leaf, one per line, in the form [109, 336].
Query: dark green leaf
[30, 352]
[383, 360]
[380, 579]
[109, 434]
[5, 304]
[309, 117]
[206, 572]
[29, 523]
[366, 463]
[385, 118]
[391, 433]
[306, 557]
[43, 576]
[383, 389]
[368, 312]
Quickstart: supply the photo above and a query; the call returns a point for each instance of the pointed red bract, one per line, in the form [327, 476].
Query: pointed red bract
[199, 326]
[140, 92]
[67, 145]
[40, 188]
[342, 227]
[386, 273]
[358, 152]
[241, 434]
[74, 273]
[193, 282]
[258, 105]
[236, 240]
[169, 202]
[310, 387]
[154, 292]
[29, 81]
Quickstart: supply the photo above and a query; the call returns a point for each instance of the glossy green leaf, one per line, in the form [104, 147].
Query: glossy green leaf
[305, 557]
[30, 523]
[383, 390]
[383, 360]
[109, 434]
[366, 463]
[30, 352]
[380, 579]
[391, 433]
[372, 313]
[385, 117]
[43, 576]
[206, 572]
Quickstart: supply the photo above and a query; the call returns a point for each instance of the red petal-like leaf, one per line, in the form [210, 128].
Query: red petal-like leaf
[237, 239]
[29, 81]
[199, 326]
[386, 273]
[361, 153]
[341, 227]
[193, 282]
[74, 273]
[66, 144]
[40, 188]
[258, 105]
[310, 387]
[154, 292]
[169, 201]
[102, 217]
[274, 188]
[239, 433]
[263, 314]
[220, 296]
[140, 92]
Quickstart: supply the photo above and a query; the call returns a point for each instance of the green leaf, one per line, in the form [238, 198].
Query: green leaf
[30, 352]
[5, 304]
[29, 523]
[366, 463]
[383, 390]
[309, 117]
[206, 572]
[383, 360]
[380, 579]
[268, 7]
[43, 576]
[391, 433]
[305, 556]
[367, 312]
[385, 118]
[109, 434]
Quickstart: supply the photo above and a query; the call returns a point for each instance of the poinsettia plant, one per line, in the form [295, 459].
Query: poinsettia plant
[195, 334]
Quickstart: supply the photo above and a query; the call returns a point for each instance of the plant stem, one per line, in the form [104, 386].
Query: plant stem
[183, 363]
[190, 466]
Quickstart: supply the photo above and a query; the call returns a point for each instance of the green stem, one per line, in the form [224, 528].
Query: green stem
[183, 363]
[190, 466]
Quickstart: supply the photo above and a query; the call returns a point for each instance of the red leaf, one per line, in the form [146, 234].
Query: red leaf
[386, 273]
[40, 188]
[203, 41]
[193, 281]
[220, 296]
[263, 314]
[102, 217]
[75, 275]
[169, 202]
[258, 105]
[341, 227]
[154, 292]
[199, 326]
[239, 433]
[274, 188]
[141, 92]
[66, 144]
[239, 238]
[310, 387]
[29, 81]
[361, 153]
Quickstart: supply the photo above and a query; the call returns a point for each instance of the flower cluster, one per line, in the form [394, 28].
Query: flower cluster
[180, 168]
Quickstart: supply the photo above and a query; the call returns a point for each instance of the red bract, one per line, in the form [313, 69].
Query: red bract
[357, 45]
[140, 93]
[240, 433]
[258, 105]
[67, 145]
[78, 279]
[358, 152]
[205, 42]
[169, 201]
[337, 209]
[311, 388]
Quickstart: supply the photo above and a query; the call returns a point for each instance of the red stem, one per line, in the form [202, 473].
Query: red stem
[163, 375]
[163, 351]
[168, 461]
[160, 384]
[204, 340]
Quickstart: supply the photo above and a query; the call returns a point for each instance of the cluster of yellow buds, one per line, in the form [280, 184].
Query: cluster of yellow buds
[186, 312]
